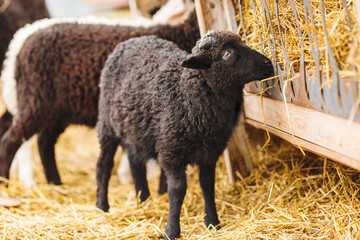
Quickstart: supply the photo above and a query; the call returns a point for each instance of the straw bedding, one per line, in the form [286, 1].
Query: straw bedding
[287, 196]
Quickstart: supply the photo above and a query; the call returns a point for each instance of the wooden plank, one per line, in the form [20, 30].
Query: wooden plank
[308, 146]
[219, 15]
[239, 152]
[215, 15]
[319, 132]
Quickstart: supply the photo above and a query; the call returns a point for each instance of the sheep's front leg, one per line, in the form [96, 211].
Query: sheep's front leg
[207, 181]
[176, 193]
[103, 171]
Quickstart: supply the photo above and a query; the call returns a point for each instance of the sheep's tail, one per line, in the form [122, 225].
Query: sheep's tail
[9, 93]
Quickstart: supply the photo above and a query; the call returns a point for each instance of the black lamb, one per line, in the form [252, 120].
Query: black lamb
[158, 102]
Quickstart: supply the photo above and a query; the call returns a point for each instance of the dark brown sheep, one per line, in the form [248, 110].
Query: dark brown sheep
[57, 75]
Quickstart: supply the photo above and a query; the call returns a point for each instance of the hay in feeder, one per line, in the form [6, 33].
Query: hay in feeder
[286, 37]
[287, 196]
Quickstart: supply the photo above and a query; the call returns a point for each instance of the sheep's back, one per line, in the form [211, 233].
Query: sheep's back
[139, 84]
[61, 65]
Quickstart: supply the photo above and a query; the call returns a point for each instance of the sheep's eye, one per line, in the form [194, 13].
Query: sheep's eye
[226, 55]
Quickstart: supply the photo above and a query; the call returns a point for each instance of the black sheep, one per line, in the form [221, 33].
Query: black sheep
[158, 102]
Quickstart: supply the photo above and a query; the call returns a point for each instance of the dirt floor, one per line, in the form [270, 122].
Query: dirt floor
[287, 196]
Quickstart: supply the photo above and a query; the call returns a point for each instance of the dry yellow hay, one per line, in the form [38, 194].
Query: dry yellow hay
[287, 196]
[340, 32]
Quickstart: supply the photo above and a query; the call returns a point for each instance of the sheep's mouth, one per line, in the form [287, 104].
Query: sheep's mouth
[260, 74]
[265, 72]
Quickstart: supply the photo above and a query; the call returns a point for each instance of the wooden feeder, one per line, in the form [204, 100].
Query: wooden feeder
[315, 110]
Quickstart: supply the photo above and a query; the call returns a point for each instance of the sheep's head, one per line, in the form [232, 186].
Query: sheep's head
[223, 55]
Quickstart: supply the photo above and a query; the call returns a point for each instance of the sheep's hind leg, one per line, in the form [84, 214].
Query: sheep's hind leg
[103, 170]
[138, 172]
[162, 183]
[207, 181]
[46, 142]
[176, 192]
[10, 143]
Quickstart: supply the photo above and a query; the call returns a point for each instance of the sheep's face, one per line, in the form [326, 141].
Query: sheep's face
[226, 57]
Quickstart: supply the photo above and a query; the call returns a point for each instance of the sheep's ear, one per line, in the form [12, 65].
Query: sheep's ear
[196, 62]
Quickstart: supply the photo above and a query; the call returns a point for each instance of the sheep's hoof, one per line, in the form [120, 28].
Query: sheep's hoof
[212, 223]
[56, 182]
[171, 237]
[171, 232]
[102, 206]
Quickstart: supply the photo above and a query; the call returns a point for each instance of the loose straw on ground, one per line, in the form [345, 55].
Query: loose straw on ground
[287, 196]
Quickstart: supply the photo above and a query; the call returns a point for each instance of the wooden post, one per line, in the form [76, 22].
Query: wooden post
[215, 15]
[219, 15]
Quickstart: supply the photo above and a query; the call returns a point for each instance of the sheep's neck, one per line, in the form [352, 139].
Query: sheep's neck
[204, 106]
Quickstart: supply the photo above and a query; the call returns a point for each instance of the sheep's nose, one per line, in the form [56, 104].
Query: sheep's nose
[269, 66]
[267, 62]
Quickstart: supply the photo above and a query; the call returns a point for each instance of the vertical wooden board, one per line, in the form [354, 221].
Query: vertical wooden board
[215, 15]
[239, 152]
[357, 8]
[219, 15]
